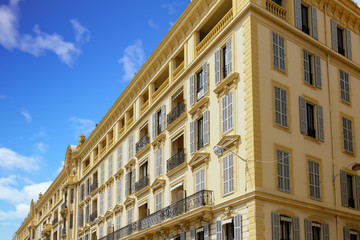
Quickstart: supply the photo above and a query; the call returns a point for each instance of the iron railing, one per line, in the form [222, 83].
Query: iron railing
[176, 112]
[93, 216]
[54, 221]
[175, 160]
[199, 199]
[143, 182]
[93, 186]
[142, 143]
[63, 206]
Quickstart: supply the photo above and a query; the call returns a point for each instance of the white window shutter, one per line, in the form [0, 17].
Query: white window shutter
[131, 147]
[297, 14]
[306, 64]
[118, 190]
[282, 63]
[205, 77]
[101, 203]
[133, 177]
[192, 234]
[348, 44]
[225, 166]
[153, 126]
[117, 222]
[302, 114]
[206, 127]
[326, 231]
[296, 228]
[86, 188]
[217, 66]
[192, 90]
[357, 184]
[275, 225]
[163, 117]
[110, 167]
[206, 231]
[224, 114]
[314, 22]
[230, 111]
[182, 235]
[119, 157]
[275, 42]
[219, 234]
[334, 38]
[346, 233]
[317, 64]
[126, 184]
[192, 137]
[308, 229]
[231, 173]
[229, 56]
[102, 173]
[344, 193]
[237, 227]
[320, 121]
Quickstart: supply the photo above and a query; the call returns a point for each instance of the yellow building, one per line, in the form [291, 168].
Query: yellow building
[240, 125]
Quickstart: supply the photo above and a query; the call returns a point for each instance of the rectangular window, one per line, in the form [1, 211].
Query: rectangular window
[279, 2]
[101, 203]
[158, 121]
[305, 19]
[102, 174]
[199, 85]
[312, 69]
[310, 120]
[118, 190]
[110, 167]
[129, 215]
[200, 180]
[109, 197]
[131, 147]
[307, 119]
[200, 133]
[316, 231]
[227, 59]
[158, 161]
[227, 112]
[278, 52]
[119, 162]
[199, 130]
[314, 179]
[72, 192]
[285, 228]
[228, 174]
[283, 170]
[281, 112]
[229, 231]
[340, 37]
[158, 201]
[350, 191]
[344, 86]
[118, 222]
[71, 221]
[101, 231]
[347, 134]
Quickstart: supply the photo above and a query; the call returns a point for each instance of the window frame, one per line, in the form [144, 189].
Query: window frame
[287, 151]
[345, 87]
[346, 149]
[316, 177]
[230, 182]
[278, 52]
[199, 186]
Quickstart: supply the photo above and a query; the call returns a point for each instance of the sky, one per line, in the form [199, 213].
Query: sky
[63, 63]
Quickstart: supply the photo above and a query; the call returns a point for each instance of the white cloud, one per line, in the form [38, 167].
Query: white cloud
[41, 147]
[12, 160]
[81, 125]
[152, 24]
[60, 168]
[82, 34]
[169, 7]
[38, 135]
[39, 43]
[26, 115]
[132, 60]
[2, 96]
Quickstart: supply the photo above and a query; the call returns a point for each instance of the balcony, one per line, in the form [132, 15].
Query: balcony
[63, 208]
[142, 143]
[163, 86]
[54, 221]
[93, 216]
[143, 182]
[176, 112]
[175, 160]
[93, 186]
[178, 70]
[215, 31]
[47, 229]
[144, 106]
[276, 9]
[197, 200]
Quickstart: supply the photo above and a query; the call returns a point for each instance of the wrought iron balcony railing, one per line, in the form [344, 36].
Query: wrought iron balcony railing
[175, 160]
[142, 143]
[54, 221]
[176, 112]
[63, 206]
[93, 186]
[199, 199]
[143, 182]
[93, 216]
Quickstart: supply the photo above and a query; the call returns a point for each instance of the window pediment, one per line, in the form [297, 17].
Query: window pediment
[158, 183]
[118, 208]
[223, 87]
[130, 201]
[199, 107]
[109, 213]
[229, 141]
[109, 181]
[159, 140]
[199, 158]
[130, 165]
[119, 173]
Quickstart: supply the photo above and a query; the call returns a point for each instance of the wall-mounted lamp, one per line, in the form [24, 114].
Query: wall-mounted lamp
[355, 166]
[219, 151]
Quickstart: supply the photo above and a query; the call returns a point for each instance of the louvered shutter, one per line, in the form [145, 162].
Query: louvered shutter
[118, 196]
[126, 184]
[326, 231]
[163, 117]
[205, 77]
[101, 203]
[224, 114]
[102, 173]
[202, 179]
[225, 163]
[344, 193]
[206, 127]
[297, 14]
[348, 44]
[302, 114]
[133, 177]
[206, 231]
[275, 42]
[131, 147]
[192, 90]
[334, 38]
[230, 111]
[182, 235]
[306, 64]
[282, 63]
[192, 137]
[192, 234]
[78, 219]
[153, 126]
[229, 56]
[217, 66]
[346, 233]
[110, 167]
[320, 121]
[275, 225]
[158, 161]
[86, 188]
[357, 182]
[219, 234]
[117, 222]
[119, 157]
[308, 229]
[317, 64]
[296, 228]
[237, 227]
[89, 212]
[314, 22]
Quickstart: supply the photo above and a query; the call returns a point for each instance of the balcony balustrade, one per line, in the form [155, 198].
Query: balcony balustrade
[178, 70]
[94, 186]
[176, 160]
[163, 86]
[199, 199]
[142, 143]
[143, 182]
[176, 112]
[276, 9]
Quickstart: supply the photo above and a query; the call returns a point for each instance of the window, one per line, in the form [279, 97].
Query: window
[72, 192]
[200, 84]
[312, 69]
[223, 62]
[228, 174]
[101, 231]
[118, 190]
[119, 160]
[158, 122]
[158, 201]
[199, 129]
[200, 133]
[314, 179]
[101, 203]
[129, 215]
[350, 234]
[110, 167]
[102, 174]
[344, 86]
[316, 231]
[348, 194]
[306, 18]
[284, 227]
[131, 147]
[307, 119]
[71, 221]
[283, 170]
[200, 180]
[341, 40]
[158, 161]
[281, 112]
[199, 234]
[348, 135]
[118, 222]
[278, 52]
[279, 2]
[130, 182]
[227, 112]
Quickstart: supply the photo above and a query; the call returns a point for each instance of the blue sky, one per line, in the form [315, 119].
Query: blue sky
[63, 63]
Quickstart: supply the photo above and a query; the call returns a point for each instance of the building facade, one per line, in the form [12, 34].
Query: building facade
[240, 125]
